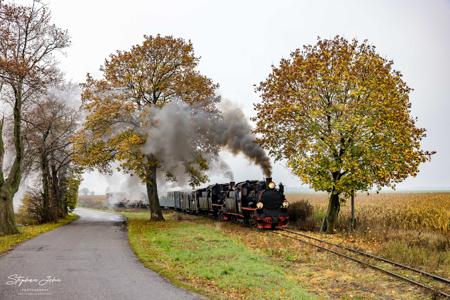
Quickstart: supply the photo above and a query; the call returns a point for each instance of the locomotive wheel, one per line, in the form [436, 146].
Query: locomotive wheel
[246, 218]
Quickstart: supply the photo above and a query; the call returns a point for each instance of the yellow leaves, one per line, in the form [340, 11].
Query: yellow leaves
[338, 106]
[126, 144]
[159, 70]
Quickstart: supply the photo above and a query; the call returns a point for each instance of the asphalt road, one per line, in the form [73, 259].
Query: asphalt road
[87, 259]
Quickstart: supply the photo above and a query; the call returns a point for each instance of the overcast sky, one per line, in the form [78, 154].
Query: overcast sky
[238, 41]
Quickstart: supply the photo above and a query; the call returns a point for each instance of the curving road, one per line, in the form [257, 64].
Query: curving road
[87, 259]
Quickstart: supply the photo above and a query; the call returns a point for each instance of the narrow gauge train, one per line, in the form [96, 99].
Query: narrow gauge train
[258, 203]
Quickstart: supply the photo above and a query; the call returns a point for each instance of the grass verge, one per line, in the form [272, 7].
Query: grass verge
[198, 253]
[202, 258]
[8, 242]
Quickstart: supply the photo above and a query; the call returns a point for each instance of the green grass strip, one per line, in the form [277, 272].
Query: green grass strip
[203, 258]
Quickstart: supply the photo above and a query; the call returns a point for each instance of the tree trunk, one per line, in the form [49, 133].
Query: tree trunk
[62, 189]
[332, 213]
[63, 192]
[57, 202]
[47, 214]
[10, 185]
[7, 218]
[152, 189]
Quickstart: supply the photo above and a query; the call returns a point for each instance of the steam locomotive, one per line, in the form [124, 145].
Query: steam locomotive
[257, 203]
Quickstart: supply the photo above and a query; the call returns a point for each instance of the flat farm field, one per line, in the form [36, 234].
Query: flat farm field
[412, 228]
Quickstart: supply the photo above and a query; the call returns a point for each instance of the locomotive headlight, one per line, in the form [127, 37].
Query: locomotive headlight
[285, 204]
[259, 205]
[271, 185]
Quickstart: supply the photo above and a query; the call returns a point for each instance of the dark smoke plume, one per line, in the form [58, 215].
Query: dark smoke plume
[177, 130]
[235, 133]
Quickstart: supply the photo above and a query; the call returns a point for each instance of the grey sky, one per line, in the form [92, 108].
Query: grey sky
[239, 40]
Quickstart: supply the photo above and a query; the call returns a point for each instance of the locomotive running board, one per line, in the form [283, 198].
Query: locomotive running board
[239, 215]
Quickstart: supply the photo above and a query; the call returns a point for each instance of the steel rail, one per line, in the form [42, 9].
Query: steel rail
[392, 274]
[434, 276]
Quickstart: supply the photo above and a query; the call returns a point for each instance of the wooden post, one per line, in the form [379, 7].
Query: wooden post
[353, 221]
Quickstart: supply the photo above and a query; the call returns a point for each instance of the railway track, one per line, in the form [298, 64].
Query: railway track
[306, 239]
[355, 255]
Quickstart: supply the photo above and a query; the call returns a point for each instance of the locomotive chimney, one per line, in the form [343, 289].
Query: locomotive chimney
[268, 180]
[232, 184]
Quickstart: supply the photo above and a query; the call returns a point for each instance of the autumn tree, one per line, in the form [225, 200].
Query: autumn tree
[160, 70]
[28, 40]
[49, 127]
[340, 115]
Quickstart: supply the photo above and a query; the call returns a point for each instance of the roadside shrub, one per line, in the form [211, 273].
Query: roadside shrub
[300, 210]
[32, 209]
[301, 214]
[72, 193]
